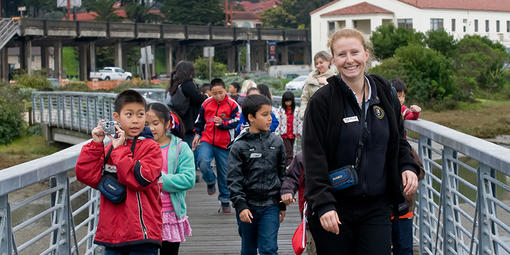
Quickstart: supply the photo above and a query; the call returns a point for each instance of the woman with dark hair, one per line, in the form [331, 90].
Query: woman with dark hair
[182, 77]
[291, 125]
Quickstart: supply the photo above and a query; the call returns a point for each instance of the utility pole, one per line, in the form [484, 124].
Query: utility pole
[226, 13]
[68, 9]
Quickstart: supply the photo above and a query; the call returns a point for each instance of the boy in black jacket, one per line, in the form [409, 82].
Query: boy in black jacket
[256, 171]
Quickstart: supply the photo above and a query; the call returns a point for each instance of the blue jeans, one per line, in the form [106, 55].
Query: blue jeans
[205, 156]
[402, 236]
[133, 250]
[262, 232]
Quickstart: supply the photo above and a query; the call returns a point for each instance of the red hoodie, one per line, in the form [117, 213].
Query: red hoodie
[221, 135]
[138, 219]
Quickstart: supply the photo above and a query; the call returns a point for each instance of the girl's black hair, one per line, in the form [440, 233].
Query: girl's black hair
[289, 96]
[264, 90]
[163, 114]
[183, 71]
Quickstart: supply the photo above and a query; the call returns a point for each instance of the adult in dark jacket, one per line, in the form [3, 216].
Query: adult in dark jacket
[357, 219]
[183, 76]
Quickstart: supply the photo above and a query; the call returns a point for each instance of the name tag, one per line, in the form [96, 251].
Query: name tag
[351, 119]
[255, 155]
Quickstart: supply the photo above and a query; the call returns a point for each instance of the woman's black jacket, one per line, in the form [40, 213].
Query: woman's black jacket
[191, 90]
[320, 142]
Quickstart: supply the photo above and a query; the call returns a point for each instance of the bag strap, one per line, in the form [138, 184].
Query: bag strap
[107, 157]
[364, 131]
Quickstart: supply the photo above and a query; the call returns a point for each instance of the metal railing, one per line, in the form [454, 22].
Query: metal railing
[8, 28]
[462, 205]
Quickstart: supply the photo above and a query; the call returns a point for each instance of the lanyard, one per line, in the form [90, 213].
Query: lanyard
[364, 132]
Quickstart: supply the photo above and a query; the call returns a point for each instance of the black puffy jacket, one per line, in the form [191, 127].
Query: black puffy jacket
[256, 169]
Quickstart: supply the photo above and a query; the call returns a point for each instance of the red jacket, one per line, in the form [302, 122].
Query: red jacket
[221, 135]
[138, 219]
[407, 114]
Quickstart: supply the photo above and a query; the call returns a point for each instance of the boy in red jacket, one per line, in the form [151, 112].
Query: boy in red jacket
[214, 129]
[411, 113]
[134, 225]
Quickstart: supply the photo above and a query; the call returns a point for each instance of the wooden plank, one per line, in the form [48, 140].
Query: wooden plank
[217, 233]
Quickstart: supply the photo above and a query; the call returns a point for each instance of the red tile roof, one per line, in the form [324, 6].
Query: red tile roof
[361, 8]
[478, 5]
[475, 5]
[260, 6]
[243, 15]
[85, 16]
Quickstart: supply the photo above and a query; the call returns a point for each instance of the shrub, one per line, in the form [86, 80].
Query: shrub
[202, 69]
[75, 86]
[34, 81]
[387, 39]
[135, 83]
[441, 41]
[11, 121]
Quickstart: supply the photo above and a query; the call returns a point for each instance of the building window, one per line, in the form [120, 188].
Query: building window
[486, 25]
[508, 26]
[436, 24]
[453, 25]
[476, 25]
[331, 27]
[405, 23]
[497, 26]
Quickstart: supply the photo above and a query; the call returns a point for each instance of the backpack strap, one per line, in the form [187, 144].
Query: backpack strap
[107, 157]
[177, 152]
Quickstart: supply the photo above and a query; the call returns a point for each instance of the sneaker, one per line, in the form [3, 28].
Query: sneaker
[211, 189]
[225, 208]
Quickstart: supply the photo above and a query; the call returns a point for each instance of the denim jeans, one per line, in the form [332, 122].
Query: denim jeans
[205, 156]
[262, 232]
[133, 250]
[402, 236]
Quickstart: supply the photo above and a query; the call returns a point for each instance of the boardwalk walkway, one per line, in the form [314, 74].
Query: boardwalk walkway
[215, 233]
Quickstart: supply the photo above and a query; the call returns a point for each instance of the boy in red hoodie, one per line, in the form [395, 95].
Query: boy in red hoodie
[214, 129]
[134, 225]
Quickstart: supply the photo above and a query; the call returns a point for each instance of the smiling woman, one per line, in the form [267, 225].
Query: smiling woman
[358, 112]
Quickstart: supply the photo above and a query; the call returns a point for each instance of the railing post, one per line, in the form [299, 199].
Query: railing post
[72, 112]
[485, 209]
[88, 115]
[41, 109]
[64, 111]
[61, 238]
[79, 113]
[424, 222]
[34, 107]
[50, 110]
[6, 244]
[59, 111]
[449, 233]
[94, 195]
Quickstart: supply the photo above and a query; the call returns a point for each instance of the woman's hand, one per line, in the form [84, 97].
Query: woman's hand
[245, 216]
[410, 182]
[330, 222]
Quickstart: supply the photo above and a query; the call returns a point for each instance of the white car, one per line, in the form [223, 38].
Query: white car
[297, 83]
[111, 73]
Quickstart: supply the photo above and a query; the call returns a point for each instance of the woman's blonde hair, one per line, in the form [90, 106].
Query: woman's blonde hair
[348, 32]
[322, 54]
[247, 84]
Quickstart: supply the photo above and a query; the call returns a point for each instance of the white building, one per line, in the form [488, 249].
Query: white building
[458, 17]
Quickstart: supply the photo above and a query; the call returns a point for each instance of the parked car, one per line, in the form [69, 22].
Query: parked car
[297, 83]
[111, 73]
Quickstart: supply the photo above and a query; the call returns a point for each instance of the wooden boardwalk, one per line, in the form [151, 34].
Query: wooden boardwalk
[216, 233]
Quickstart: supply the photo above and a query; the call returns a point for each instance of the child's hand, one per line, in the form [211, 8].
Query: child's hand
[282, 216]
[196, 142]
[245, 216]
[288, 199]
[116, 142]
[98, 133]
[415, 108]
[217, 120]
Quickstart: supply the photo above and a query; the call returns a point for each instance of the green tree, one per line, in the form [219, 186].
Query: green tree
[387, 38]
[103, 8]
[37, 8]
[193, 12]
[202, 69]
[426, 72]
[478, 62]
[291, 13]
[140, 13]
[11, 121]
[441, 41]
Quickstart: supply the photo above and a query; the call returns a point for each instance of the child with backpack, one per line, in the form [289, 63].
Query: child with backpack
[131, 225]
[290, 123]
[256, 171]
[177, 176]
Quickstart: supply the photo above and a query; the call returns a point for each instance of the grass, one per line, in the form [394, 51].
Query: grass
[484, 119]
[70, 62]
[24, 149]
